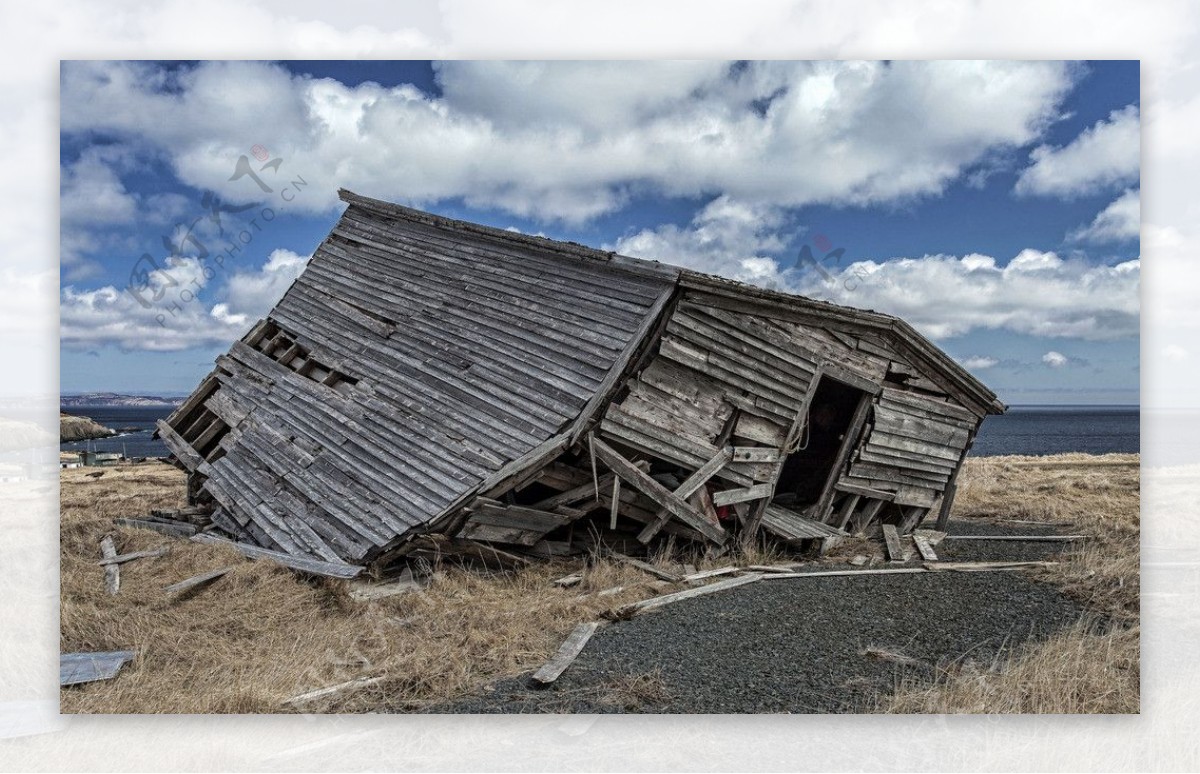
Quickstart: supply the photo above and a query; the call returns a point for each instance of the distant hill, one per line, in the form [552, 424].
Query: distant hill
[115, 399]
[72, 428]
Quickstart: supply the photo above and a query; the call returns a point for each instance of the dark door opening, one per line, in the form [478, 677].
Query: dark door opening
[805, 471]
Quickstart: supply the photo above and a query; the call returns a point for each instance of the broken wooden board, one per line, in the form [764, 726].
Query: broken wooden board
[567, 581]
[302, 564]
[791, 527]
[667, 499]
[703, 574]
[657, 572]
[731, 496]
[637, 608]
[570, 649]
[891, 539]
[176, 529]
[690, 486]
[112, 570]
[932, 535]
[77, 668]
[123, 558]
[197, 581]
[333, 690]
[923, 548]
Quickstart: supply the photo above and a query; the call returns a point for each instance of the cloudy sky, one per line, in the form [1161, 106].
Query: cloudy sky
[995, 205]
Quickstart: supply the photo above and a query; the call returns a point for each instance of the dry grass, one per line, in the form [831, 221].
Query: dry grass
[262, 634]
[1092, 666]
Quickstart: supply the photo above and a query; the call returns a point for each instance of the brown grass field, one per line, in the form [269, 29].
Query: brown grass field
[261, 634]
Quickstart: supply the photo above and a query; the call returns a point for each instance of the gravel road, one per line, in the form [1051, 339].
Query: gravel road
[801, 645]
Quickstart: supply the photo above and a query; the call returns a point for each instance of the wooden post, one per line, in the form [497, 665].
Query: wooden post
[821, 510]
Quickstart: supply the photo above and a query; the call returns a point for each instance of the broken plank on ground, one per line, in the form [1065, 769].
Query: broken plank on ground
[647, 567]
[303, 564]
[123, 558]
[566, 654]
[645, 605]
[332, 690]
[112, 571]
[76, 668]
[892, 540]
[197, 581]
[924, 549]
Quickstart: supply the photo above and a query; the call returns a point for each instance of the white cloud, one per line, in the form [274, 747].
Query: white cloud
[979, 362]
[725, 237]
[173, 312]
[1104, 155]
[1055, 359]
[573, 140]
[1037, 293]
[1119, 221]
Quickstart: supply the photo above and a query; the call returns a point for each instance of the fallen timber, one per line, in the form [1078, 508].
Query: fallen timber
[431, 388]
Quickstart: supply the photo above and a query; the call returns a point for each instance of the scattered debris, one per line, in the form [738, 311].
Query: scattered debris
[567, 581]
[703, 574]
[891, 540]
[886, 654]
[858, 560]
[657, 572]
[197, 581]
[112, 570]
[636, 608]
[333, 690]
[123, 558]
[77, 668]
[162, 526]
[567, 652]
[924, 548]
[366, 591]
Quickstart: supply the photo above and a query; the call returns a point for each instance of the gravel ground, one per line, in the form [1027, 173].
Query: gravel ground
[800, 645]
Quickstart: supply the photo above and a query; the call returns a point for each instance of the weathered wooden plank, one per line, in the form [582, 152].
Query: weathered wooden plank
[123, 558]
[638, 479]
[333, 690]
[112, 570]
[636, 608]
[924, 549]
[686, 489]
[849, 487]
[731, 496]
[756, 454]
[300, 563]
[197, 581]
[566, 654]
[657, 572]
[717, 571]
[77, 668]
[891, 539]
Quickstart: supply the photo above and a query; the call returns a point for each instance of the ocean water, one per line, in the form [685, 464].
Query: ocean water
[1040, 430]
[1022, 430]
[135, 422]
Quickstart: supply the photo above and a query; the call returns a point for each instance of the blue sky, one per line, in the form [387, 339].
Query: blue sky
[993, 204]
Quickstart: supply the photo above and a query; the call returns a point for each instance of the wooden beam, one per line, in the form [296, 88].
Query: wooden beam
[731, 496]
[924, 549]
[123, 558]
[685, 490]
[1028, 538]
[654, 603]
[197, 581]
[892, 540]
[566, 655]
[648, 568]
[667, 499]
[112, 570]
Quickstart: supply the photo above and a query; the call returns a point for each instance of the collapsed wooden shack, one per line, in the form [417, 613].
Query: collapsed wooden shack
[431, 384]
